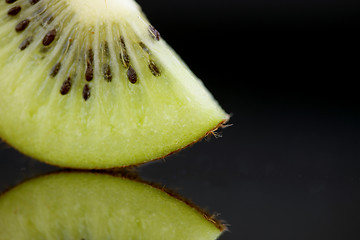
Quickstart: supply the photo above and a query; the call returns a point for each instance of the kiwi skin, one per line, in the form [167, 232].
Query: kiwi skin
[132, 174]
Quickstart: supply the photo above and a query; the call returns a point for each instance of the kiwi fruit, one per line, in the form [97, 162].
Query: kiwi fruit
[91, 84]
[85, 205]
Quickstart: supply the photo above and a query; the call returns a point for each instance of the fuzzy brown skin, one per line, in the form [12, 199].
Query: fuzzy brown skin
[132, 174]
[222, 124]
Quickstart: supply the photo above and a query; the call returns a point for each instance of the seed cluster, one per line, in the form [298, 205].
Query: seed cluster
[54, 31]
[151, 64]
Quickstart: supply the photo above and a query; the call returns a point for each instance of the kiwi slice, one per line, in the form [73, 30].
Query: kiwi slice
[91, 84]
[80, 205]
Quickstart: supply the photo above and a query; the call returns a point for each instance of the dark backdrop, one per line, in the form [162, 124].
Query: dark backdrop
[289, 166]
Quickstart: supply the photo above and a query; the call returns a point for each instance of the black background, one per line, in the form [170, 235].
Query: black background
[287, 71]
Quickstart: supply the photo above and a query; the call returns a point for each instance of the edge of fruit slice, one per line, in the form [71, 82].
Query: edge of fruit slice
[140, 102]
[80, 205]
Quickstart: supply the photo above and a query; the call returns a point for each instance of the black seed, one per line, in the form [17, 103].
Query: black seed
[125, 59]
[14, 11]
[144, 47]
[106, 49]
[131, 74]
[89, 73]
[154, 68]
[33, 2]
[86, 92]
[10, 1]
[55, 69]
[24, 44]
[154, 33]
[107, 72]
[90, 54]
[21, 26]
[49, 37]
[66, 86]
[122, 43]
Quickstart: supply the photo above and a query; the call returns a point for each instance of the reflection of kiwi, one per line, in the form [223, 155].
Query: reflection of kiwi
[89, 206]
[91, 84]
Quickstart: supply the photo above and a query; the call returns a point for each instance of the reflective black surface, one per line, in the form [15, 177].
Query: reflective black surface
[289, 166]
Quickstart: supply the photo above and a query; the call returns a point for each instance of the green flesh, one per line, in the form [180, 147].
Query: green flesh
[98, 206]
[119, 123]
